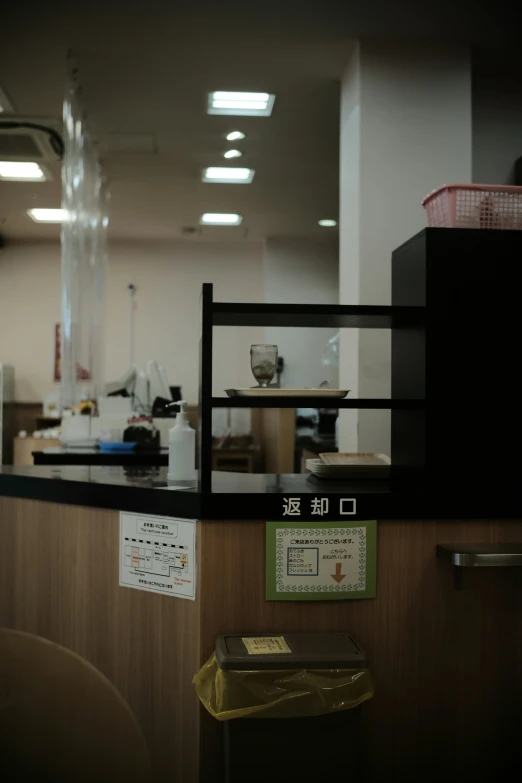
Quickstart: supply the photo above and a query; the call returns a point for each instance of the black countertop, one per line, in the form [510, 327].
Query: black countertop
[59, 455]
[251, 496]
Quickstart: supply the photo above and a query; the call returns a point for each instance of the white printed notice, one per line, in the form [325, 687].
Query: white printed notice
[158, 554]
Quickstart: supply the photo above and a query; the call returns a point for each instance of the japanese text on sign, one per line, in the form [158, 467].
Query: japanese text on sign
[318, 506]
[158, 554]
[159, 526]
[312, 560]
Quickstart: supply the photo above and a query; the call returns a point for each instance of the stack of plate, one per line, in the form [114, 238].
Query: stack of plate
[350, 466]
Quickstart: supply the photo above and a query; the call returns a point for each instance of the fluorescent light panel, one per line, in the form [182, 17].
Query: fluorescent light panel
[235, 136]
[220, 219]
[228, 174]
[21, 170]
[40, 215]
[328, 223]
[248, 104]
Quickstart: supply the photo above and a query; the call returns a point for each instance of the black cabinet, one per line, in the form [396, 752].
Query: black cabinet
[464, 361]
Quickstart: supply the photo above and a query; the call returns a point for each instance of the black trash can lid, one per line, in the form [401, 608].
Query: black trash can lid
[250, 652]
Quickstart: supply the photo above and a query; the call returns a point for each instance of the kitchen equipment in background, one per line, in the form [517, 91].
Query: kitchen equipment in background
[175, 393]
[76, 430]
[116, 446]
[475, 206]
[110, 435]
[327, 421]
[263, 360]
[51, 406]
[142, 432]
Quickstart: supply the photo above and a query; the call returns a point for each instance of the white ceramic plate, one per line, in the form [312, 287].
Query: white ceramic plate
[259, 392]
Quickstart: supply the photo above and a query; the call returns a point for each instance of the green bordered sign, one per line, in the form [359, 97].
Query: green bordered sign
[310, 562]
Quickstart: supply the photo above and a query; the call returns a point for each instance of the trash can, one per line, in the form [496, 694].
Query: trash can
[287, 702]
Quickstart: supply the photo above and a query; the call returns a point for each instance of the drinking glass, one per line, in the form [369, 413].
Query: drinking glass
[263, 360]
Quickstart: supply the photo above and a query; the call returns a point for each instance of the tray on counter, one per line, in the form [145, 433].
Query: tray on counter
[262, 392]
[350, 466]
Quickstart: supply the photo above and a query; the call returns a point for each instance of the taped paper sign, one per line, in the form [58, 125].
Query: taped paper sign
[307, 561]
[158, 554]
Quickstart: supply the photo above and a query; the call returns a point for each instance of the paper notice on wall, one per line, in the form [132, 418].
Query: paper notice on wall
[158, 554]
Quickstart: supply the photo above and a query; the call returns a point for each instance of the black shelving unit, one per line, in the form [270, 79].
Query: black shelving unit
[465, 363]
[410, 318]
[317, 402]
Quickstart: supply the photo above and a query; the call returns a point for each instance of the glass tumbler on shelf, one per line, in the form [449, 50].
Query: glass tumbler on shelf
[263, 360]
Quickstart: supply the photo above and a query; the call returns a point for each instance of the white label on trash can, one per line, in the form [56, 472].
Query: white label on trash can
[265, 645]
[158, 554]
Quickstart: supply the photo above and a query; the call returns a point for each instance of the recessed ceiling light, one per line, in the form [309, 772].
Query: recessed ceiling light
[220, 219]
[228, 174]
[5, 104]
[328, 223]
[236, 136]
[21, 170]
[46, 215]
[232, 154]
[253, 104]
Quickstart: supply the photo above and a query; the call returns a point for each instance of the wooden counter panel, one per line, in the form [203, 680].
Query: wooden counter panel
[59, 579]
[447, 663]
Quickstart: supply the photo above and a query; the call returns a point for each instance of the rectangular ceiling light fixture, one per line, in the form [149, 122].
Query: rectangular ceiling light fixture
[220, 219]
[228, 174]
[247, 104]
[23, 171]
[46, 215]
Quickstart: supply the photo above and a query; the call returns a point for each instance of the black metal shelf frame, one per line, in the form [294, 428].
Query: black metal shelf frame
[327, 316]
[321, 316]
[361, 403]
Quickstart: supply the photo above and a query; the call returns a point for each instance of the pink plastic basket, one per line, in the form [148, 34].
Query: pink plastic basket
[475, 206]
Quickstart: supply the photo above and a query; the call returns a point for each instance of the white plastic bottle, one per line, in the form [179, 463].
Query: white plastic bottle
[182, 451]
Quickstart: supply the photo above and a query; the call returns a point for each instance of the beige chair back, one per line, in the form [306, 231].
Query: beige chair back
[62, 720]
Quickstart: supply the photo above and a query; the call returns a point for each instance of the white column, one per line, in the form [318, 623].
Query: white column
[405, 129]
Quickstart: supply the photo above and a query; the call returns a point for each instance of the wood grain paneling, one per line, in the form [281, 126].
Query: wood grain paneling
[278, 439]
[447, 663]
[50, 717]
[24, 447]
[59, 579]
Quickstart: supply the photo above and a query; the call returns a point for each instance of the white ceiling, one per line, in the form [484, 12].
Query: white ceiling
[146, 69]
[147, 91]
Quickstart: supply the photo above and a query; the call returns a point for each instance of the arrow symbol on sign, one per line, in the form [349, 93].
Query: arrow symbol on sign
[338, 576]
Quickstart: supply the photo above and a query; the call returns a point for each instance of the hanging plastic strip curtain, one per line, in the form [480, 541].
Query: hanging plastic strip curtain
[84, 255]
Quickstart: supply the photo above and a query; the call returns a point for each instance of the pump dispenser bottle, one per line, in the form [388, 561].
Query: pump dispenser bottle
[182, 451]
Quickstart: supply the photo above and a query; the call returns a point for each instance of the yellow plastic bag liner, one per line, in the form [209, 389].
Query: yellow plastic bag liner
[280, 694]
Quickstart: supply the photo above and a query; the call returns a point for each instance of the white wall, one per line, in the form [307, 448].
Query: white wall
[350, 237]
[405, 129]
[302, 271]
[168, 277]
[29, 310]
